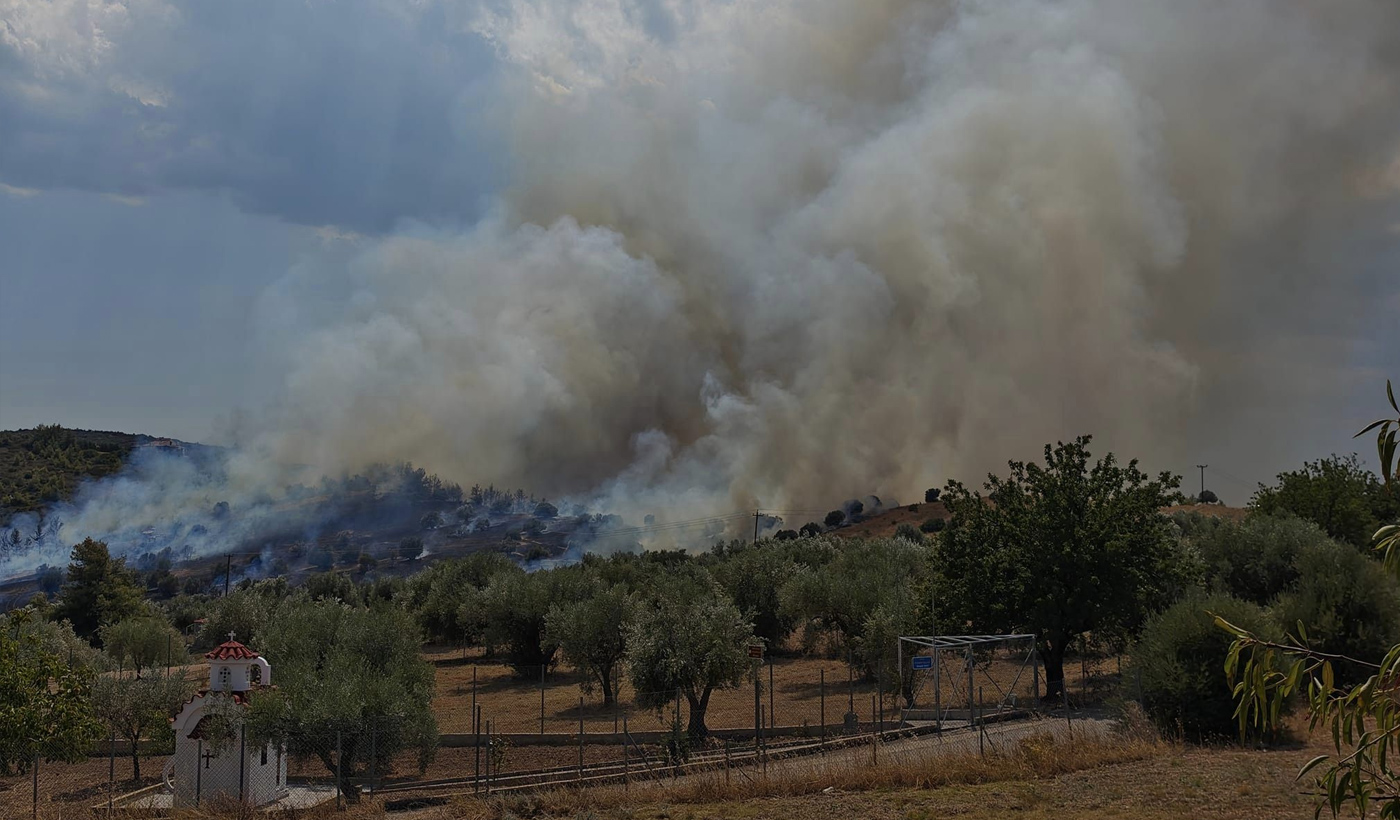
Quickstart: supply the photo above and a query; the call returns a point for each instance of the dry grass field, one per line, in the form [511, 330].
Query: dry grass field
[512, 703]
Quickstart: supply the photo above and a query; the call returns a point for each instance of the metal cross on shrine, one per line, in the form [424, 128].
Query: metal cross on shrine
[208, 756]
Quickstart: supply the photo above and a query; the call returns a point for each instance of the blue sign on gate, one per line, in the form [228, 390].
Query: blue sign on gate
[923, 662]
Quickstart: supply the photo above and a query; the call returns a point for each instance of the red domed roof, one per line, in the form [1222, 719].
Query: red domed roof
[231, 651]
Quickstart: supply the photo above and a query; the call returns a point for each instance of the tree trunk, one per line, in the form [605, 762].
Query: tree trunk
[697, 728]
[135, 759]
[1052, 655]
[605, 683]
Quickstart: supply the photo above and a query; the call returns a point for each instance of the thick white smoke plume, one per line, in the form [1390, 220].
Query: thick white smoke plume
[781, 253]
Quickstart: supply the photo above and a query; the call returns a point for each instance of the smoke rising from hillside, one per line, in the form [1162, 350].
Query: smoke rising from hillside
[782, 253]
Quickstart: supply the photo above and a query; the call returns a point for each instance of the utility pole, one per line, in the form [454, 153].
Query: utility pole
[755, 526]
[1202, 468]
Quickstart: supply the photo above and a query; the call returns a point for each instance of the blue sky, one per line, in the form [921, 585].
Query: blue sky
[162, 164]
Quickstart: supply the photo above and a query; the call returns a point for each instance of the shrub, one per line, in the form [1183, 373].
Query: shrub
[931, 494]
[810, 530]
[932, 525]
[1348, 604]
[909, 533]
[1178, 663]
[1207, 497]
[835, 518]
[1254, 560]
[410, 548]
[786, 535]
[546, 510]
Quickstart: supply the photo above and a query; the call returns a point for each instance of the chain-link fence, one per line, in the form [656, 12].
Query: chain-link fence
[504, 729]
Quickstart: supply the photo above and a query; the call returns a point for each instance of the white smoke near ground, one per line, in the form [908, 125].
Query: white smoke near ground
[784, 253]
[781, 253]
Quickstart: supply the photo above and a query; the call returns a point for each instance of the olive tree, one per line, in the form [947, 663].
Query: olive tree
[349, 680]
[691, 642]
[592, 635]
[135, 708]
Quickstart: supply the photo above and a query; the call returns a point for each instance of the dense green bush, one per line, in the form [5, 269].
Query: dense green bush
[1255, 559]
[909, 533]
[1178, 665]
[1348, 604]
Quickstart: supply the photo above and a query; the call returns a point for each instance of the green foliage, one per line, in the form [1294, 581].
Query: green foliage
[44, 465]
[513, 607]
[909, 533]
[1176, 662]
[1348, 604]
[838, 597]
[332, 586]
[1337, 494]
[410, 548]
[1254, 560]
[1065, 549]
[1364, 718]
[933, 525]
[100, 590]
[753, 576]
[45, 707]
[592, 635]
[341, 670]
[690, 643]
[835, 518]
[438, 596]
[136, 708]
[142, 643]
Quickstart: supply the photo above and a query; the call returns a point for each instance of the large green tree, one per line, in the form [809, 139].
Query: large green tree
[1336, 493]
[592, 635]
[1061, 549]
[438, 595]
[142, 643]
[839, 598]
[514, 606]
[690, 641]
[45, 706]
[753, 575]
[135, 708]
[100, 590]
[349, 680]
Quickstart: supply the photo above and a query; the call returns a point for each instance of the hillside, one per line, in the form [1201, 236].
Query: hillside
[44, 465]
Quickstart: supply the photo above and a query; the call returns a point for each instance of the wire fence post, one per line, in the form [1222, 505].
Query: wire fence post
[874, 735]
[36, 785]
[243, 758]
[726, 761]
[541, 698]
[198, 769]
[339, 804]
[488, 757]
[981, 727]
[476, 737]
[374, 754]
[626, 774]
[822, 690]
[112, 768]
[1064, 698]
[772, 712]
[580, 742]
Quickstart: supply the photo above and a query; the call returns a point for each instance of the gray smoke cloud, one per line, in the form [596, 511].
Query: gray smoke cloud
[782, 253]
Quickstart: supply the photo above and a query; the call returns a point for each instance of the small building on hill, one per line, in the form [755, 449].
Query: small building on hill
[208, 768]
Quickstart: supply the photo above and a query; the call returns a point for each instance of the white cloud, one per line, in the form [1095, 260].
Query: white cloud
[13, 190]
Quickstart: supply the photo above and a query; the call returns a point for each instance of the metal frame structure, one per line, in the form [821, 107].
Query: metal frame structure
[967, 643]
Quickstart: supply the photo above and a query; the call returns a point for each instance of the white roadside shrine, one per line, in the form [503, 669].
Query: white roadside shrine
[239, 771]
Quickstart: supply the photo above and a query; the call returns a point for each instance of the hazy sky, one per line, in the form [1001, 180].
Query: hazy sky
[169, 172]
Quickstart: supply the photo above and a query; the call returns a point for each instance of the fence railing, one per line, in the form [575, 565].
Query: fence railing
[503, 730]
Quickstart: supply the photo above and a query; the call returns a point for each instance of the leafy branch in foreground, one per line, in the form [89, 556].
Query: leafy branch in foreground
[1364, 719]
